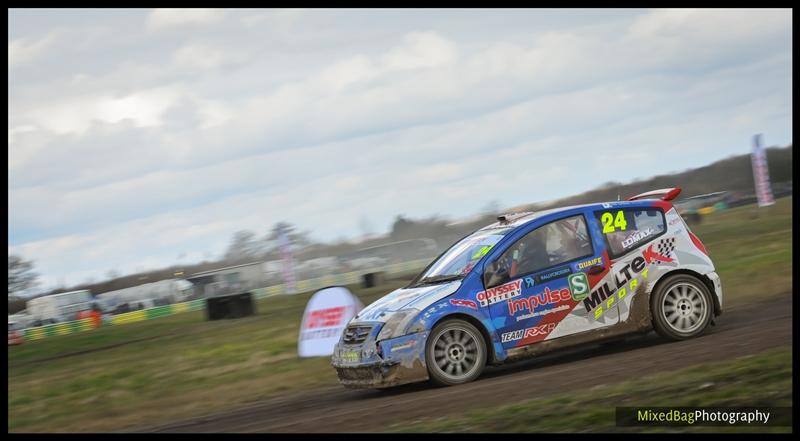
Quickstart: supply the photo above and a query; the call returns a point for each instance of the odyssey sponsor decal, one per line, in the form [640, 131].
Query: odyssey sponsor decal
[528, 332]
[464, 302]
[578, 286]
[625, 280]
[546, 297]
[597, 260]
[500, 293]
[552, 275]
[636, 236]
[544, 312]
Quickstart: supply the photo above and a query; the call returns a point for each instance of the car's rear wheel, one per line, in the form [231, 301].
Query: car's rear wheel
[681, 307]
[455, 353]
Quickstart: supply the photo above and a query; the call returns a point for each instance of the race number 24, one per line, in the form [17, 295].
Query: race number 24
[612, 222]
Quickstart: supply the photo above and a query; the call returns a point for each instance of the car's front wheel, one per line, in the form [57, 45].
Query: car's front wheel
[681, 307]
[455, 353]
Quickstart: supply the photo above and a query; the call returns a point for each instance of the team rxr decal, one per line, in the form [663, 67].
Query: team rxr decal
[529, 332]
[464, 302]
[500, 293]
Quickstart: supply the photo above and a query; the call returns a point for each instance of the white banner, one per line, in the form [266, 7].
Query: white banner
[326, 315]
[761, 174]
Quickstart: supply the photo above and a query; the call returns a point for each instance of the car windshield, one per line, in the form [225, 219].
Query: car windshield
[462, 257]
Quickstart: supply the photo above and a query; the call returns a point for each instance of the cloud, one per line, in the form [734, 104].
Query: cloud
[194, 57]
[421, 50]
[25, 50]
[143, 109]
[166, 18]
[170, 145]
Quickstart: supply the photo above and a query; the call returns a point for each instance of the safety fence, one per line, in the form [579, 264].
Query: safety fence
[87, 324]
[350, 278]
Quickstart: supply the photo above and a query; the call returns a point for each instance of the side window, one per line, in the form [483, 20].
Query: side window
[549, 245]
[627, 229]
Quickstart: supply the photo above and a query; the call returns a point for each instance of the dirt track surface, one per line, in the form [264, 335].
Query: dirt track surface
[740, 331]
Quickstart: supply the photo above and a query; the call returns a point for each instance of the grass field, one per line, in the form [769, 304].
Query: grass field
[757, 380]
[182, 365]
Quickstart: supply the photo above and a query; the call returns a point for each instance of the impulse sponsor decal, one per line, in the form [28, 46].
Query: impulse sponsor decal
[546, 297]
[464, 302]
[500, 293]
[534, 331]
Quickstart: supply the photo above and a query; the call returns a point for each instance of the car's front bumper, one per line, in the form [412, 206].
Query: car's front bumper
[388, 363]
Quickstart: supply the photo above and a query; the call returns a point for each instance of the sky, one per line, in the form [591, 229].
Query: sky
[139, 139]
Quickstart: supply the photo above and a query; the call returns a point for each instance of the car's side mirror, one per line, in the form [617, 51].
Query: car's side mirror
[597, 269]
[493, 275]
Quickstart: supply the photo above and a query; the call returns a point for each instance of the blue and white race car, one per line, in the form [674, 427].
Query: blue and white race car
[532, 283]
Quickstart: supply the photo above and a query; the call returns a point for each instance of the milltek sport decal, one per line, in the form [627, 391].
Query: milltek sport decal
[500, 293]
[626, 278]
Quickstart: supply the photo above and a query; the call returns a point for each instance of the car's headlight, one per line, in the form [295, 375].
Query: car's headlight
[397, 323]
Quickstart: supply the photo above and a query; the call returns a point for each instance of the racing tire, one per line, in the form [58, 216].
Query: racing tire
[455, 353]
[682, 307]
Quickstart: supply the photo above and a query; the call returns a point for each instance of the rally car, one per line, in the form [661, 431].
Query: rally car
[532, 283]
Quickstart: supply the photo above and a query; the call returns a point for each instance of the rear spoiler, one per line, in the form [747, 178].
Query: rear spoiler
[665, 194]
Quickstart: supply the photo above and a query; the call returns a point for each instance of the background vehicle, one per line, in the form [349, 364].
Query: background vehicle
[14, 334]
[57, 308]
[533, 283]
